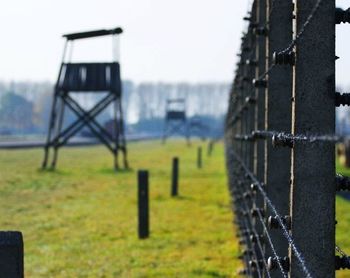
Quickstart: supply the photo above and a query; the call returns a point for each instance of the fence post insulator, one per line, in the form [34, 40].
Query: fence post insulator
[342, 99]
[255, 212]
[244, 233]
[251, 62]
[256, 264]
[258, 135]
[342, 16]
[272, 263]
[282, 140]
[247, 252]
[283, 58]
[255, 187]
[260, 31]
[342, 183]
[247, 195]
[245, 79]
[243, 272]
[255, 238]
[342, 262]
[246, 48]
[253, 25]
[273, 223]
[250, 100]
[260, 83]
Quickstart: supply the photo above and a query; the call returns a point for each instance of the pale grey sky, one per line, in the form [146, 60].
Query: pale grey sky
[164, 40]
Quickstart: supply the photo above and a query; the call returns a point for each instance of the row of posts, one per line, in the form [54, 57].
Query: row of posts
[143, 190]
[11, 242]
[297, 97]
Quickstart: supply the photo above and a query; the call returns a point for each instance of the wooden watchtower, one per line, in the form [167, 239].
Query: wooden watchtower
[176, 119]
[81, 78]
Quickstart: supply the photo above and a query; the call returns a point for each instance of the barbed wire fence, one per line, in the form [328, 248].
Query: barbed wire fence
[280, 141]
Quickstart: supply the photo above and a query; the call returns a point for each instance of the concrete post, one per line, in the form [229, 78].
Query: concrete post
[278, 118]
[143, 206]
[175, 177]
[313, 166]
[259, 170]
[11, 255]
[199, 157]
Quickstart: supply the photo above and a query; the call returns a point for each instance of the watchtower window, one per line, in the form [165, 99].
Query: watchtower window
[83, 77]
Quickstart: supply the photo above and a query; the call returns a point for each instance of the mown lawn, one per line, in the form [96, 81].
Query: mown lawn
[343, 226]
[80, 221]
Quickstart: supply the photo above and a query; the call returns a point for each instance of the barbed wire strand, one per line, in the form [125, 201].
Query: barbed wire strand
[278, 217]
[303, 28]
[271, 245]
[269, 239]
[255, 233]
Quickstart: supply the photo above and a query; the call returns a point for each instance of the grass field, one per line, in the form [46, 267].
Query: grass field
[343, 225]
[80, 221]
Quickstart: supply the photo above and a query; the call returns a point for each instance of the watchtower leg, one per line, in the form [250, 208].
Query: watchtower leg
[60, 118]
[116, 132]
[165, 128]
[51, 129]
[121, 138]
[187, 133]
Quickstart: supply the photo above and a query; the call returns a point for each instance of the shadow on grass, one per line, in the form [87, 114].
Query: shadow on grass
[210, 273]
[111, 171]
[52, 171]
[183, 198]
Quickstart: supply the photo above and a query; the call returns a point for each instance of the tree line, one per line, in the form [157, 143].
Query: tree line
[25, 106]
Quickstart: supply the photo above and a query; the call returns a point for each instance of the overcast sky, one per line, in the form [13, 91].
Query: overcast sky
[164, 40]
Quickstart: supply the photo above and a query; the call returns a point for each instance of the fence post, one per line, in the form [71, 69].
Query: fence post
[278, 118]
[313, 165]
[260, 107]
[143, 206]
[11, 255]
[260, 90]
[175, 177]
[199, 158]
[210, 147]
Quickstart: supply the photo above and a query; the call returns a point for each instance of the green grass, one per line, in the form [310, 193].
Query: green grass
[80, 221]
[343, 218]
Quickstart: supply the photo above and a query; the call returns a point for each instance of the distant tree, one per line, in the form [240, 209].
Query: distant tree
[15, 112]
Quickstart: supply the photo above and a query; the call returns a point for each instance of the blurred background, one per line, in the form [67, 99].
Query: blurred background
[169, 49]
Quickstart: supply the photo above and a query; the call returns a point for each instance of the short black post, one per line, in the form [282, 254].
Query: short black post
[210, 147]
[11, 255]
[175, 177]
[143, 207]
[199, 158]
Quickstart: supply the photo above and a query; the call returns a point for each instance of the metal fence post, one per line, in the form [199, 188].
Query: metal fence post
[11, 255]
[143, 205]
[278, 117]
[210, 147]
[199, 157]
[313, 165]
[175, 177]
